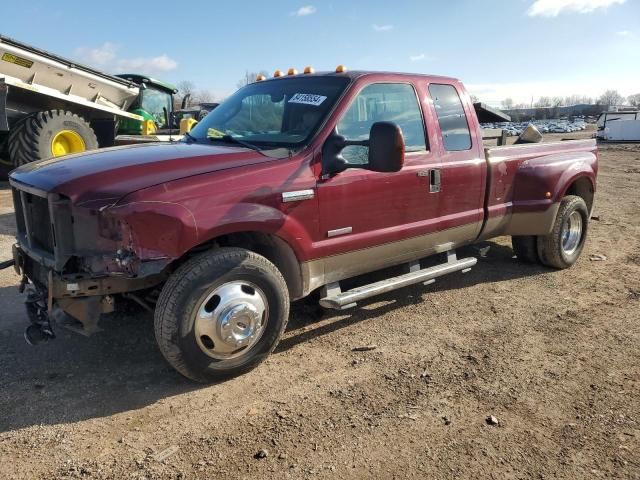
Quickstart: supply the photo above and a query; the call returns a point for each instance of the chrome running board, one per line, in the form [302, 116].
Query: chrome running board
[334, 298]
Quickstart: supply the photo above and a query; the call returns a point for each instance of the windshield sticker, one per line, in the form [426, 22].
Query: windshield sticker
[308, 99]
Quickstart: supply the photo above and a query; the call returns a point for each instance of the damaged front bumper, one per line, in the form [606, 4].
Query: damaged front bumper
[81, 296]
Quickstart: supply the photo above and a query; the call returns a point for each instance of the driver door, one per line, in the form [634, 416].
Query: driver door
[367, 217]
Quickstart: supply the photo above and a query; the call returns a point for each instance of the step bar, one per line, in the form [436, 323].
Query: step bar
[336, 299]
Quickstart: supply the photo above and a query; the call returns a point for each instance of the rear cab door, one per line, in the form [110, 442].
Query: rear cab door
[462, 167]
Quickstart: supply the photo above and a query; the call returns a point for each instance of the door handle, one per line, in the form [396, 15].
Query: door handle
[434, 180]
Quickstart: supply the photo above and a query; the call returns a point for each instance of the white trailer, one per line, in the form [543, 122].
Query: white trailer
[52, 106]
[622, 131]
[622, 126]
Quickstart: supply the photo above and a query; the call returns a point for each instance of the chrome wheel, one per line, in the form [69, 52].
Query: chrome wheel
[230, 320]
[571, 233]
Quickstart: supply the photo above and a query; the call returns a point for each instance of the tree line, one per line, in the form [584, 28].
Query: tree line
[198, 96]
[609, 98]
[552, 107]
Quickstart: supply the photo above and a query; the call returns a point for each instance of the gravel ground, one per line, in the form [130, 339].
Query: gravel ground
[552, 356]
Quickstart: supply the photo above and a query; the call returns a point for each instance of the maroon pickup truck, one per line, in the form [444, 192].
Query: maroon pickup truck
[290, 186]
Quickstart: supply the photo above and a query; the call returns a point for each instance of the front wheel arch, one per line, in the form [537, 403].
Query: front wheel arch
[270, 246]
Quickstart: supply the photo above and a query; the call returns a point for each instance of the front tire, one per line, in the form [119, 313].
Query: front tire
[221, 314]
[563, 246]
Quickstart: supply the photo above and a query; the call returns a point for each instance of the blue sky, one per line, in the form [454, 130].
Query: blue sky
[499, 48]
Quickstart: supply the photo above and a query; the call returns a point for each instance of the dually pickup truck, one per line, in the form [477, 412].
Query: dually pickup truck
[292, 185]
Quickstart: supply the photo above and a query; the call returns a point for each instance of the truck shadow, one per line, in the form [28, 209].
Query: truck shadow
[73, 378]
[120, 369]
[496, 263]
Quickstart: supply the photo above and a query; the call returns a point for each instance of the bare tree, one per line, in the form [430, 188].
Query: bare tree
[185, 87]
[543, 102]
[507, 103]
[610, 98]
[204, 96]
[556, 103]
[577, 100]
[634, 100]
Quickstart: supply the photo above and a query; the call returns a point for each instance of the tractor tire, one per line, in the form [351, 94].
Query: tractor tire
[50, 134]
[562, 247]
[13, 146]
[526, 249]
[221, 313]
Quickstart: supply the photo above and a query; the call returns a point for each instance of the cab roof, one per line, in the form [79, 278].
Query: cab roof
[354, 74]
[140, 79]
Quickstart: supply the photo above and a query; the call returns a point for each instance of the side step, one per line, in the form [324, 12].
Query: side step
[336, 299]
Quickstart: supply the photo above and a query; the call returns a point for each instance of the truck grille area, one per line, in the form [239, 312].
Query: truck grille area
[39, 230]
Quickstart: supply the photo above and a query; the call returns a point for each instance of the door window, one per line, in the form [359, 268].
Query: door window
[157, 104]
[382, 102]
[451, 116]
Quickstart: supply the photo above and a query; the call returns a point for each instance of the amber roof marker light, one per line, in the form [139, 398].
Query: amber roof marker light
[260, 78]
[277, 73]
[309, 69]
[341, 69]
[292, 71]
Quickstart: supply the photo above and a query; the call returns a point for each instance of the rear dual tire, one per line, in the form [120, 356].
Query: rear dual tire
[562, 247]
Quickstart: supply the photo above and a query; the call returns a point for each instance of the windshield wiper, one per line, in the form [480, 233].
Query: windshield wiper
[231, 139]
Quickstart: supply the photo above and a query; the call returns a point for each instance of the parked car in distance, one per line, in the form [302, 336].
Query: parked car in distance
[290, 186]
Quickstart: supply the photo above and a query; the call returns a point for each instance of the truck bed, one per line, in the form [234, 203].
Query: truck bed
[523, 183]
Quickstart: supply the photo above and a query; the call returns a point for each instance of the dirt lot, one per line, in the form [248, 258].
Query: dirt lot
[554, 356]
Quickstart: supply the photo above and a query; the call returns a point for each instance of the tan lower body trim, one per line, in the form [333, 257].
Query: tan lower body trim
[528, 223]
[317, 273]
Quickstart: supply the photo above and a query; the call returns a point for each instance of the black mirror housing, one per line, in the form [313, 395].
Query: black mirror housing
[386, 147]
[386, 150]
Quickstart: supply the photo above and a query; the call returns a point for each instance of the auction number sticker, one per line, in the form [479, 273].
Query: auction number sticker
[308, 99]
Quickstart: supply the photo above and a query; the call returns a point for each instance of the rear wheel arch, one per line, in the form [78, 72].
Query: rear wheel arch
[582, 187]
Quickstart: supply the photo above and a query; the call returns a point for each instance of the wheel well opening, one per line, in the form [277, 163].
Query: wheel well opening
[583, 188]
[273, 248]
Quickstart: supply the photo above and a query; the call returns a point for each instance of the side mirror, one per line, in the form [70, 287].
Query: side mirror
[386, 147]
[386, 150]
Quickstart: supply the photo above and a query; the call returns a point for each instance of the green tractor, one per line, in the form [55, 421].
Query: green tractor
[154, 104]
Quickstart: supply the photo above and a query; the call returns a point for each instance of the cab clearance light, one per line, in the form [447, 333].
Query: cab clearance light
[341, 69]
[277, 73]
[260, 77]
[292, 71]
[309, 69]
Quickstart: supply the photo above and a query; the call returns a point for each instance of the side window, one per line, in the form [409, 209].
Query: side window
[453, 121]
[382, 102]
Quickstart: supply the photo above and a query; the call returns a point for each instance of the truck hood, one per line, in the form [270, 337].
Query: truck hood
[111, 173]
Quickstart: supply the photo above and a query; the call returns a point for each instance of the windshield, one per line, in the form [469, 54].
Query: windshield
[157, 104]
[279, 113]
